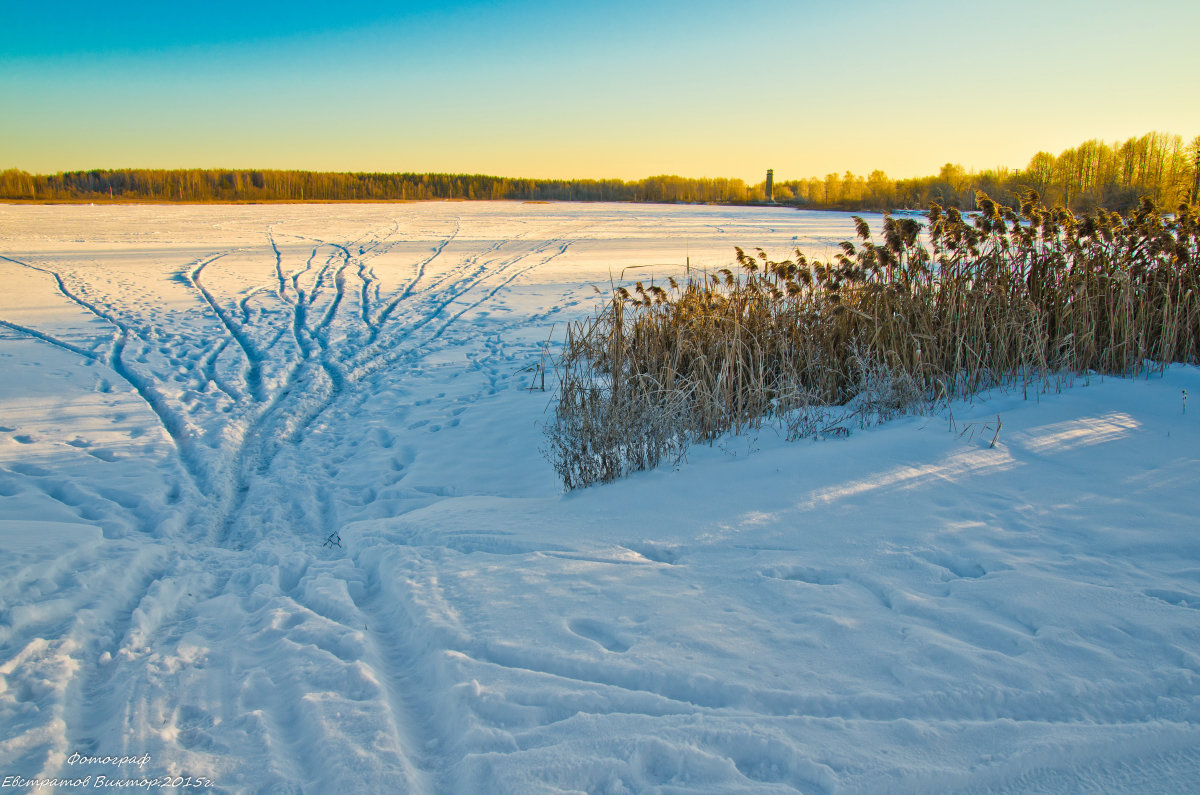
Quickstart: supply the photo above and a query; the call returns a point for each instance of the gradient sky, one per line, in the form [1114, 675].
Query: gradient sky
[564, 89]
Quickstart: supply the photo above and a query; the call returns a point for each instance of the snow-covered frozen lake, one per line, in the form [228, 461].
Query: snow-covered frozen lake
[273, 515]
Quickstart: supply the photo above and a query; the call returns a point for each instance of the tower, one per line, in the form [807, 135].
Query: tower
[770, 185]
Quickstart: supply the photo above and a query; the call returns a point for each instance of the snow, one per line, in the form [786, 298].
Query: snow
[273, 512]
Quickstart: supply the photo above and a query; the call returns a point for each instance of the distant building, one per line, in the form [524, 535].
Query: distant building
[771, 185]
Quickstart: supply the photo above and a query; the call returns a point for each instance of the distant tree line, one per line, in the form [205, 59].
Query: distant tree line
[220, 185]
[1090, 176]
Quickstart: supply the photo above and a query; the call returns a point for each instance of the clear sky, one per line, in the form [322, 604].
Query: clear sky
[588, 89]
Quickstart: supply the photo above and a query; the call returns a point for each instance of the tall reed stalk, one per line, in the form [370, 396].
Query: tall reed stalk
[884, 328]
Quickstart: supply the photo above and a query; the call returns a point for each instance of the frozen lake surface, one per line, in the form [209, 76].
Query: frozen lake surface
[273, 513]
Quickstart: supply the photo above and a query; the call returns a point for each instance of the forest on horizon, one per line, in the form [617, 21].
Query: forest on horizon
[1086, 177]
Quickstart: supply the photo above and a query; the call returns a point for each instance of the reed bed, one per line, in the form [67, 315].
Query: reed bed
[885, 328]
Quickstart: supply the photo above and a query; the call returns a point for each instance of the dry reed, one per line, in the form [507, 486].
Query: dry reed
[883, 329]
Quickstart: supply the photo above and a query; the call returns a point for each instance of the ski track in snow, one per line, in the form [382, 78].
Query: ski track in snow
[240, 544]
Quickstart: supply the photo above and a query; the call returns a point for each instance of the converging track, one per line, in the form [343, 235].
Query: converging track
[263, 380]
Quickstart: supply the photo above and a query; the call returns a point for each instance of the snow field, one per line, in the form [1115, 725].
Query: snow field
[273, 512]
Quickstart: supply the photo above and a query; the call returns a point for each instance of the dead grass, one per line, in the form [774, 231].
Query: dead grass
[884, 329]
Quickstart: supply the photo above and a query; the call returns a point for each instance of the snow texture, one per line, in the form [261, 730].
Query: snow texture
[273, 513]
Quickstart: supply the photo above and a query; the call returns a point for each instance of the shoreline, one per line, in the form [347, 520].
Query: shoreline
[240, 203]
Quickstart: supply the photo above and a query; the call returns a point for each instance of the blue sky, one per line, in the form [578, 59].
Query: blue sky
[557, 89]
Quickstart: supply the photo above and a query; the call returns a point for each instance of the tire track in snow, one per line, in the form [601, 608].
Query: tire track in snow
[281, 283]
[371, 353]
[103, 634]
[52, 340]
[254, 357]
[208, 368]
[265, 434]
[280, 423]
[369, 281]
[562, 249]
[390, 307]
[369, 243]
[170, 421]
[371, 358]
[404, 667]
